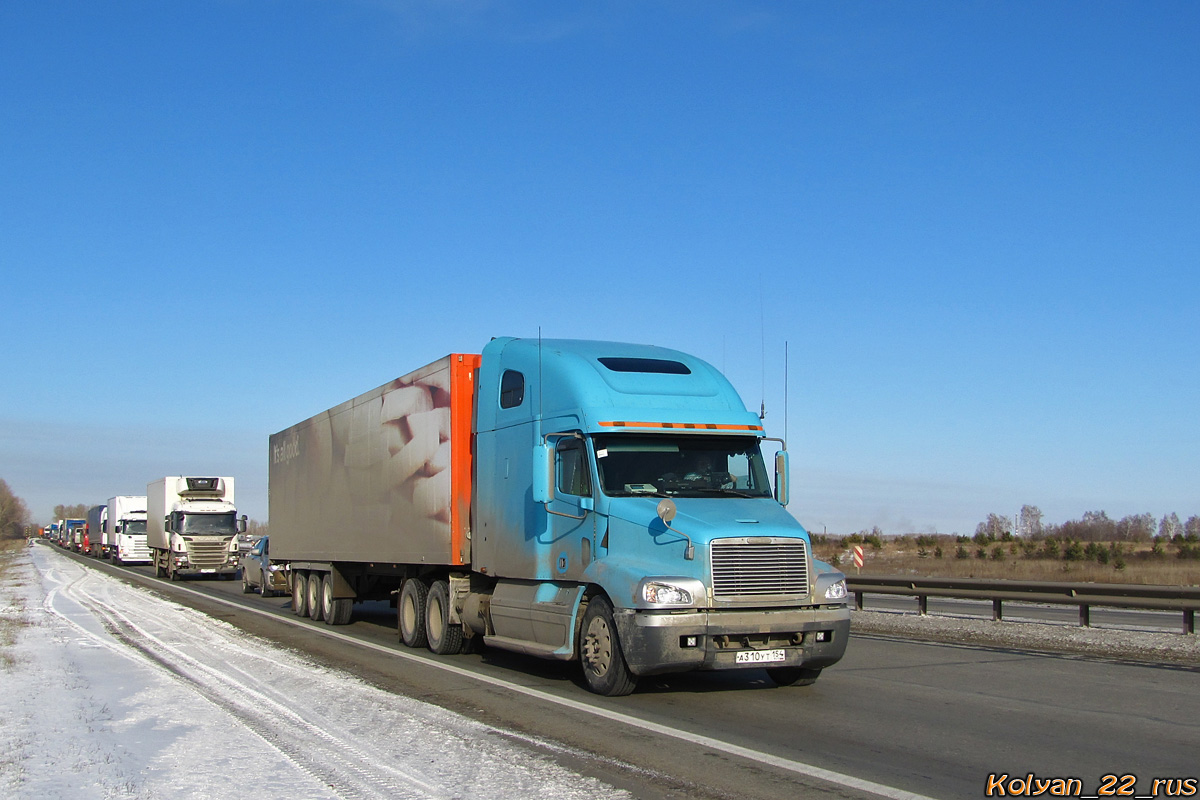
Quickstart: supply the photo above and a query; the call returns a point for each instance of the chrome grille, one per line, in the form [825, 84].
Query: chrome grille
[208, 553]
[758, 567]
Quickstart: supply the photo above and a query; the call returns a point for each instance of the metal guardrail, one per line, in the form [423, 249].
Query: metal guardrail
[1185, 599]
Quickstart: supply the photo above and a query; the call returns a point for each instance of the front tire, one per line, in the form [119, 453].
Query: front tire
[793, 676]
[444, 637]
[604, 666]
[410, 613]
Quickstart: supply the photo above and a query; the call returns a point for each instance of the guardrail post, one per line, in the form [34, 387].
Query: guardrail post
[997, 610]
[1085, 616]
[858, 601]
[1189, 621]
[923, 604]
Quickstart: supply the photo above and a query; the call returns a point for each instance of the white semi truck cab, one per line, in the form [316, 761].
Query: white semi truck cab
[125, 530]
[192, 526]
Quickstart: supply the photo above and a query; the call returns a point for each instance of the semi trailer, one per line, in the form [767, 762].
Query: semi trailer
[585, 501]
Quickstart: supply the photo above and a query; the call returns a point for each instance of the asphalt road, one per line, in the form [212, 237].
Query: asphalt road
[895, 718]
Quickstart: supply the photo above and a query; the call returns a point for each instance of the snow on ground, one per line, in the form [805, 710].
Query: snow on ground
[113, 692]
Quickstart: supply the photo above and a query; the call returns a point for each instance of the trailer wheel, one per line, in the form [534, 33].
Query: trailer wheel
[793, 676]
[299, 594]
[444, 638]
[410, 613]
[335, 610]
[313, 596]
[604, 666]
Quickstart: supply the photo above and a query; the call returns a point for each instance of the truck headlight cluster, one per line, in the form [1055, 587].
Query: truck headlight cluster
[666, 594]
[836, 591]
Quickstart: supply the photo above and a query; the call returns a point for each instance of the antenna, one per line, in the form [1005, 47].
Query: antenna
[762, 330]
[785, 389]
[539, 371]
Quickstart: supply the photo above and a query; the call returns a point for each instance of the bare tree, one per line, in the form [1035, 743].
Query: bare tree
[1029, 522]
[1170, 526]
[78, 511]
[14, 514]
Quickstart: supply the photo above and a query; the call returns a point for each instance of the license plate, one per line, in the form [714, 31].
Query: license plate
[759, 656]
[207, 571]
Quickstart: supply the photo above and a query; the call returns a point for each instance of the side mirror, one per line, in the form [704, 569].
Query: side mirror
[781, 477]
[170, 520]
[543, 473]
[241, 524]
[666, 510]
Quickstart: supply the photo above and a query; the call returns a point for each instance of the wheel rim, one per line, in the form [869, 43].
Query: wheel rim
[597, 646]
[408, 617]
[434, 623]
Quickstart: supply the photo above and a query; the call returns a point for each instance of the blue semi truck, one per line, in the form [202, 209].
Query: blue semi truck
[586, 501]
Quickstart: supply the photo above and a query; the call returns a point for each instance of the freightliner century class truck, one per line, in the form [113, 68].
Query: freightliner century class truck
[192, 526]
[590, 501]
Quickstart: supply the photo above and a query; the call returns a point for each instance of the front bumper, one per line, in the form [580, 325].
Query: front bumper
[662, 641]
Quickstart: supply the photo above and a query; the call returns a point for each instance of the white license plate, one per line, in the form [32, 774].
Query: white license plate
[759, 656]
[207, 571]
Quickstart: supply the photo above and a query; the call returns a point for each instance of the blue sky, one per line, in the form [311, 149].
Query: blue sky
[975, 225]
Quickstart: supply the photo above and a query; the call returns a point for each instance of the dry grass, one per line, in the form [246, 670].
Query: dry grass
[900, 557]
[12, 612]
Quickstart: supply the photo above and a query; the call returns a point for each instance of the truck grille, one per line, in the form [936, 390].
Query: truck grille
[208, 553]
[137, 550]
[759, 567]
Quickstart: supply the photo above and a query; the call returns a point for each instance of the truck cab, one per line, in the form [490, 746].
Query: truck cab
[630, 492]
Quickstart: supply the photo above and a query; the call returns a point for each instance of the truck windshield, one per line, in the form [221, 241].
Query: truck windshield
[222, 524]
[135, 526]
[680, 465]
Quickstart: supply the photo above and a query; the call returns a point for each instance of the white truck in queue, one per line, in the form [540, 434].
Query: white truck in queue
[192, 526]
[124, 530]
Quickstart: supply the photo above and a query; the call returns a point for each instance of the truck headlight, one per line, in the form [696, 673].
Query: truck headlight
[836, 590]
[665, 594]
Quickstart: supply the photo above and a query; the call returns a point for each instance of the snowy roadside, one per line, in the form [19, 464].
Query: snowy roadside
[115, 692]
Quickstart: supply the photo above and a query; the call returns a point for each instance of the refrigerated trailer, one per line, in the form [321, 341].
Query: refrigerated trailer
[596, 502]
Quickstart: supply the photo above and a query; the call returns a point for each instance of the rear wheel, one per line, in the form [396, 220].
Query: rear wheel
[299, 594]
[246, 587]
[264, 588]
[410, 613]
[604, 666]
[444, 637]
[313, 596]
[793, 676]
[336, 611]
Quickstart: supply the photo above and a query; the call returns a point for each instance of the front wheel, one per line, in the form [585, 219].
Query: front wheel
[604, 666]
[793, 676]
